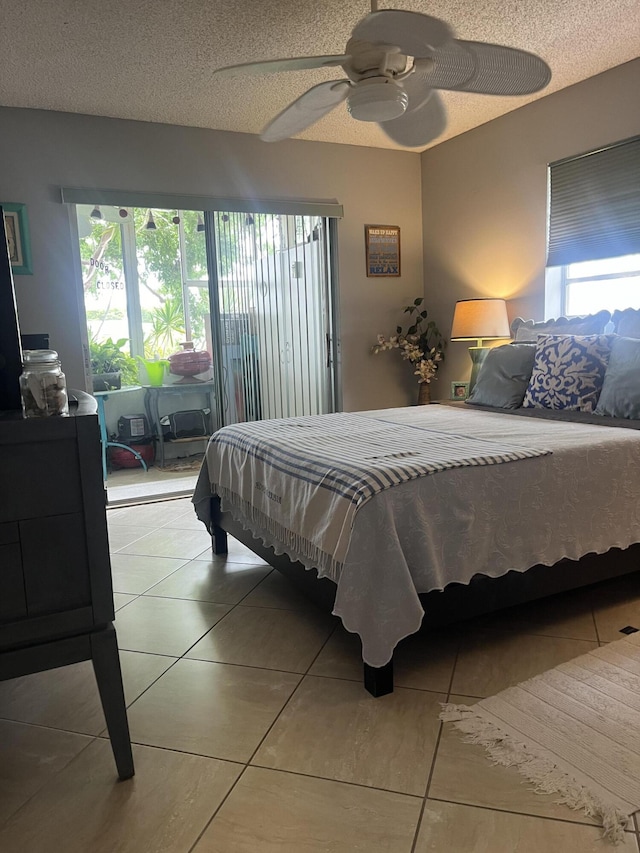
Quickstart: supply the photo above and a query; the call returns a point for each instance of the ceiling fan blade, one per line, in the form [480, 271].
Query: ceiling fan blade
[488, 69]
[415, 34]
[306, 110]
[273, 66]
[424, 119]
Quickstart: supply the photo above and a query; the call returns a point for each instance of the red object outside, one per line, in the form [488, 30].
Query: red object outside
[189, 362]
[121, 458]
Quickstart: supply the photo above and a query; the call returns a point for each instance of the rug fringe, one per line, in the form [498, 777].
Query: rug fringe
[542, 772]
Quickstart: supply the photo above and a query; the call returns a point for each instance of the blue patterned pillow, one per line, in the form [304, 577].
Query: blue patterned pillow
[568, 372]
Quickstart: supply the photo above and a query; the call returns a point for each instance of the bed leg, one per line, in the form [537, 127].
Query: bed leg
[219, 540]
[378, 680]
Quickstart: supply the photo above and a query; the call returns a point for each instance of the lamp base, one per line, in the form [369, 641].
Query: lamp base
[477, 355]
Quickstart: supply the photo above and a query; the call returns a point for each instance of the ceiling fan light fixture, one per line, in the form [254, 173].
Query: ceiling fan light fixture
[393, 62]
[377, 99]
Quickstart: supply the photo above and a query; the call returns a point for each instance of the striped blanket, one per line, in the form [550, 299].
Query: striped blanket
[301, 481]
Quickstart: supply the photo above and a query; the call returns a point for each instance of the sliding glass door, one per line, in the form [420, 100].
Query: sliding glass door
[253, 289]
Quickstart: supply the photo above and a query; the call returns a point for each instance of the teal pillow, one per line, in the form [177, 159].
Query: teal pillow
[620, 397]
[504, 376]
[568, 372]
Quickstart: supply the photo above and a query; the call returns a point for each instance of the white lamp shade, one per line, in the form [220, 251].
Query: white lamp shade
[477, 319]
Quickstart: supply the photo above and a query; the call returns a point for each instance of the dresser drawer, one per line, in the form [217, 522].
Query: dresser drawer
[55, 564]
[9, 533]
[13, 603]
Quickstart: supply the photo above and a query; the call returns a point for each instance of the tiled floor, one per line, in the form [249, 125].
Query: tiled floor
[252, 731]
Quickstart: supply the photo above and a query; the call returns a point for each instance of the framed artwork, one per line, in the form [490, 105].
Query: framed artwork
[382, 246]
[17, 228]
[459, 390]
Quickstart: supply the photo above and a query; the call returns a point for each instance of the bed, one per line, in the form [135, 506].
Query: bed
[506, 506]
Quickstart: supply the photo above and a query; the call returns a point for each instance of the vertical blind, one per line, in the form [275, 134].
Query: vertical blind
[273, 292]
[594, 205]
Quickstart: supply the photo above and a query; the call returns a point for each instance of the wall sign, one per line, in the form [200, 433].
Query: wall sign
[382, 244]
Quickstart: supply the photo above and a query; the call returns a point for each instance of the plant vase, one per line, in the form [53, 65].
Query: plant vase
[424, 394]
[107, 381]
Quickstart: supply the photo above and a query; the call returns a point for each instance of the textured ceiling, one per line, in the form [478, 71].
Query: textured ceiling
[152, 60]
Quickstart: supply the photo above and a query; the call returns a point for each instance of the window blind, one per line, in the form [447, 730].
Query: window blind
[594, 205]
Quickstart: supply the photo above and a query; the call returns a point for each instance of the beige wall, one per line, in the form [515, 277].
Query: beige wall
[480, 199]
[41, 151]
[485, 198]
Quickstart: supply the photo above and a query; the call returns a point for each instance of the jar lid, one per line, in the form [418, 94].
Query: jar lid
[40, 356]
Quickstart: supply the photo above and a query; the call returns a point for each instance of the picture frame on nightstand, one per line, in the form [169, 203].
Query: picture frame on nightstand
[459, 390]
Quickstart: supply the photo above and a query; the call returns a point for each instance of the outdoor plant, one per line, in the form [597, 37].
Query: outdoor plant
[421, 344]
[108, 357]
[167, 328]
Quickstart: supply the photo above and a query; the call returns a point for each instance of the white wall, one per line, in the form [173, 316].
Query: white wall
[485, 198]
[42, 151]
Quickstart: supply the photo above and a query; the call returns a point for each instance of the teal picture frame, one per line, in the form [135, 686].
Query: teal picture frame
[459, 390]
[18, 238]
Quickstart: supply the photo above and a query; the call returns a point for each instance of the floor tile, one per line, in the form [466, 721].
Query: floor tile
[165, 626]
[237, 553]
[85, 808]
[490, 661]
[169, 542]
[274, 812]
[210, 581]
[568, 615]
[464, 773]
[122, 598]
[188, 521]
[423, 661]
[447, 827]
[29, 757]
[149, 514]
[336, 730]
[265, 637]
[210, 708]
[135, 574]
[277, 591]
[120, 535]
[67, 698]
[115, 513]
[612, 614]
[331, 767]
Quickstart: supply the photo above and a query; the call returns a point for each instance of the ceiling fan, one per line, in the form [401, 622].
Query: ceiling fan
[394, 61]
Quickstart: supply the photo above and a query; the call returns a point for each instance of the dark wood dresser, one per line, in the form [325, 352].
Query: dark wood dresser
[56, 601]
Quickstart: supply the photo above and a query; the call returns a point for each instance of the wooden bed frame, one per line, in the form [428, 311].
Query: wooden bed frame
[456, 602]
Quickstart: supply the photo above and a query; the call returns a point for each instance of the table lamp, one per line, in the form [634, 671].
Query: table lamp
[479, 320]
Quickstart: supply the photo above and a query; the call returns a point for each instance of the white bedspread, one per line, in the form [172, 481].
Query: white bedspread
[303, 480]
[433, 531]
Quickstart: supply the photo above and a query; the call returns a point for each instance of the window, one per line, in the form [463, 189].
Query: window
[611, 283]
[594, 231]
[145, 277]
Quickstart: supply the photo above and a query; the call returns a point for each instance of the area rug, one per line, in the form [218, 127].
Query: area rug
[184, 463]
[574, 731]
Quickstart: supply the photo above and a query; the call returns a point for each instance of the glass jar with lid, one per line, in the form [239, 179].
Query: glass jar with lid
[43, 385]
